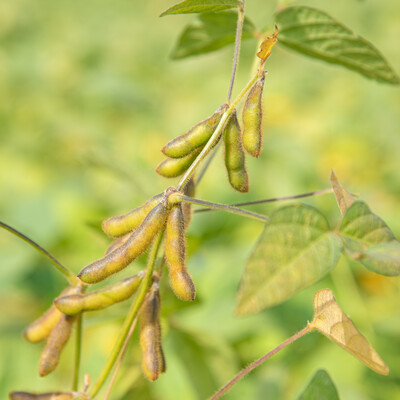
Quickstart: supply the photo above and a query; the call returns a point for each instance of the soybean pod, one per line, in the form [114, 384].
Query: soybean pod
[153, 360]
[56, 342]
[173, 167]
[196, 137]
[234, 156]
[122, 224]
[252, 119]
[117, 243]
[45, 396]
[136, 244]
[99, 299]
[189, 190]
[175, 254]
[40, 329]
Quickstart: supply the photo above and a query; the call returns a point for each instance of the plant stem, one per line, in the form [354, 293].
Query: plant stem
[256, 363]
[238, 39]
[215, 136]
[72, 278]
[144, 286]
[114, 375]
[78, 351]
[222, 207]
[274, 199]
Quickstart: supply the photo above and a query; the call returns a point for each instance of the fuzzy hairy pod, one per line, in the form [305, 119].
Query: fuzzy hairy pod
[40, 329]
[189, 190]
[43, 396]
[121, 224]
[175, 254]
[117, 243]
[136, 244]
[105, 297]
[56, 342]
[234, 156]
[252, 119]
[153, 360]
[173, 167]
[196, 137]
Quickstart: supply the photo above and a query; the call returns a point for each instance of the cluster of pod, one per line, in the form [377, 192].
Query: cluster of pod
[183, 150]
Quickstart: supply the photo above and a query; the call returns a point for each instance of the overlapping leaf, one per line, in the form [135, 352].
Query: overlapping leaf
[201, 6]
[295, 250]
[320, 387]
[209, 33]
[369, 240]
[331, 321]
[343, 197]
[317, 34]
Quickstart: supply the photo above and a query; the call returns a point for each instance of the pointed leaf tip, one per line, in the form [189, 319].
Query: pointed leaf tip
[343, 198]
[321, 387]
[331, 321]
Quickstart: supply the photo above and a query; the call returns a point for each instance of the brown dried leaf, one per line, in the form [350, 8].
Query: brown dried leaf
[343, 197]
[267, 45]
[332, 322]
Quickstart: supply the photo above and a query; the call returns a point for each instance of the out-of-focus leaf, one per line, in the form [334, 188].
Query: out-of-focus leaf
[295, 250]
[331, 321]
[201, 6]
[321, 387]
[369, 240]
[315, 33]
[343, 197]
[209, 33]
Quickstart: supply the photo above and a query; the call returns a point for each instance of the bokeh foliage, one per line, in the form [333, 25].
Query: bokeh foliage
[88, 95]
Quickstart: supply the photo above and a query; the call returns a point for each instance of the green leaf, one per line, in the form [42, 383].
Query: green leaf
[209, 33]
[295, 250]
[369, 240]
[316, 34]
[320, 387]
[201, 6]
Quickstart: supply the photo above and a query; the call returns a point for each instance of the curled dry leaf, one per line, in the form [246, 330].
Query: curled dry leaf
[343, 197]
[267, 45]
[332, 322]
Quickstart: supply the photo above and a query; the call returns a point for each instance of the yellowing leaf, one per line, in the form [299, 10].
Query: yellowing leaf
[332, 322]
[267, 45]
[343, 197]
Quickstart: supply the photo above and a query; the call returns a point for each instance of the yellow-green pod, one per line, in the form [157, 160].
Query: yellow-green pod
[252, 119]
[196, 137]
[105, 297]
[153, 360]
[175, 254]
[189, 190]
[56, 342]
[117, 243]
[136, 244]
[122, 224]
[40, 329]
[44, 396]
[172, 167]
[234, 156]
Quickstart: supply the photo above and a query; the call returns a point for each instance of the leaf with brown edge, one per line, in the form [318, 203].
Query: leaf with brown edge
[343, 197]
[331, 321]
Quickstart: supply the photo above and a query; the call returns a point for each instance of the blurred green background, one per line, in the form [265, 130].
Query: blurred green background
[88, 95]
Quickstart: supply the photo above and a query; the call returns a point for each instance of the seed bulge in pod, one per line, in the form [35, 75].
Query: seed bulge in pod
[117, 243]
[252, 119]
[43, 396]
[40, 329]
[189, 190]
[56, 342]
[196, 137]
[175, 254]
[234, 156]
[137, 243]
[122, 224]
[105, 297]
[153, 360]
[173, 167]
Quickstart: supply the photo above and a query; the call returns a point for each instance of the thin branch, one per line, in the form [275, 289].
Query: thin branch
[72, 278]
[275, 199]
[134, 309]
[238, 39]
[78, 351]
[123, 351]
[256, 363]
[217, 206]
